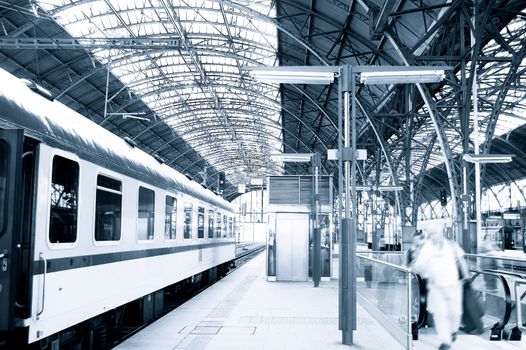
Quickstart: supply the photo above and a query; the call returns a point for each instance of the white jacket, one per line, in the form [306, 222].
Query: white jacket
[436, 261]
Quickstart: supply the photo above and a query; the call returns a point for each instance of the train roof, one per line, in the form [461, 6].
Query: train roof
[59, 126]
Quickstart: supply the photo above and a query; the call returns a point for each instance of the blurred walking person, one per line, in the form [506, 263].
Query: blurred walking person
[436, 261]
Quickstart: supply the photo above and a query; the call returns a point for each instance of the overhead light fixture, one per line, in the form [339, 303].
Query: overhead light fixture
[131, 116]
[159, 158]
[130, 141]
[291, 157]
[378, 188]
[389, 188]
[488, 158]
[293, 75]
[403, 76]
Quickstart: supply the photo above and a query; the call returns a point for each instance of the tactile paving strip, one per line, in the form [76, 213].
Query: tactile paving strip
[328, 321]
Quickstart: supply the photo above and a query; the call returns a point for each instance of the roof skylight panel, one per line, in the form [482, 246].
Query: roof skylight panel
[207, 27]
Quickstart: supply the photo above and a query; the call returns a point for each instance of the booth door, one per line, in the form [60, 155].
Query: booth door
[292, 247]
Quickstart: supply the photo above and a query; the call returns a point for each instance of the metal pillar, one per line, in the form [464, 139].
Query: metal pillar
[476, 141]
[316, 249]
[348, 228]
[107, 88]
[464, 115]
[340, 200]
[354, 203]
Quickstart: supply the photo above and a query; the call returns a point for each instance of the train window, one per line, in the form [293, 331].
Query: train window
[145, 221]
[4, 155]
[218, 225]
[225, 226]
[108, 211]
[170, 218]
[64, 201]
[230, 228]
[187, 220]
[200, 222]
[210, 224]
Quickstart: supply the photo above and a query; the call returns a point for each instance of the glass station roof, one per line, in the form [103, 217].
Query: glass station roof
[200, 88]
[490, 79]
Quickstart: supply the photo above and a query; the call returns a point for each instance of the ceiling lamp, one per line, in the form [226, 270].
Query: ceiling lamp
[292, 157]
[402, 76]
[488, 158]
[293, 75]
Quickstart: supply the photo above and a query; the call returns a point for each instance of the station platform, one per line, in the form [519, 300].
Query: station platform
[244, 311]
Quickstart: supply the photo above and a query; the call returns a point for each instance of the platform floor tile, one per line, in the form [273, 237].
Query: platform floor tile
[243, 312]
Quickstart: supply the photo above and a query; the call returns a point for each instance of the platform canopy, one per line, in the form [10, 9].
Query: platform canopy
[191, 76]
[171, 74]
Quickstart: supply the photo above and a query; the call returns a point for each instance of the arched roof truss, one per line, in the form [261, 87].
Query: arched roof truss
[199, 90]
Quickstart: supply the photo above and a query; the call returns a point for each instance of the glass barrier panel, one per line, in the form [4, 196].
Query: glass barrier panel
[382, 290]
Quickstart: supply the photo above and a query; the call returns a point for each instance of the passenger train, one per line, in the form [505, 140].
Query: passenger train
[89, 223]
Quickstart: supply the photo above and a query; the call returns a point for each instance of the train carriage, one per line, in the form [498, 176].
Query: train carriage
[88, 222]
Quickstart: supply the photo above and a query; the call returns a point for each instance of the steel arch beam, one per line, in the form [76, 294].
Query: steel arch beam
[442, 140]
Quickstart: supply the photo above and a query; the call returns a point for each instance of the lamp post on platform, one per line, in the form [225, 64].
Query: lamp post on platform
[347, 152]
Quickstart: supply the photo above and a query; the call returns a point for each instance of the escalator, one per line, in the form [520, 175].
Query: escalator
[492, 291]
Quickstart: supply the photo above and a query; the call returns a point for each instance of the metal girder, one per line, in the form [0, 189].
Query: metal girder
[383, 149]
[197, 63]
[314, 102]
[91, 112]
[511, 76]
[419, 47]
[342, 37]
[330, 21]
[227, 169]
[434, 114]
[187, 135]
[27, 26]
[84, 77]
[254, 14]
[214, 85]
[285, 145]
[296, 117]
[15, 43]
[196, 137]
[380, 19]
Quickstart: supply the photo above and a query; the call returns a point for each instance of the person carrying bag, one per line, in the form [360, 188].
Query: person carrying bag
[472, 310]
[435, 261]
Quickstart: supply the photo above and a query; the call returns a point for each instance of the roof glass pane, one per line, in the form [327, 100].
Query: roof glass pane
[199, 89]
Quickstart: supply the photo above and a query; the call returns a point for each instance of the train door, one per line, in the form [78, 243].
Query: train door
[11, 148]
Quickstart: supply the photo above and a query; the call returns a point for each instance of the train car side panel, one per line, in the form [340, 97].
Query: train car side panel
[77, 294]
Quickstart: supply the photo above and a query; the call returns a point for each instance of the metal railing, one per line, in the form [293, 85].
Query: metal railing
[500, 306]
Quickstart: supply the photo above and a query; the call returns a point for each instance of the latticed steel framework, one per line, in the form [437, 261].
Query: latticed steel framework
[170, 74]
[198, 88]
[415, 134]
